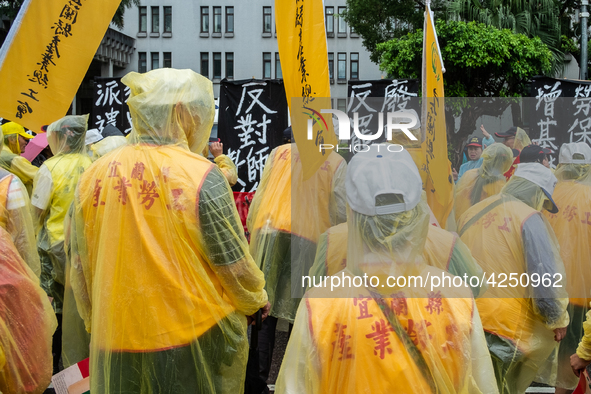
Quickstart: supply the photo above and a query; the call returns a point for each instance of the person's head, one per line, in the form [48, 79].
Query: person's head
[171, 107]
[387, 217]
[288, 135]
[496, 161]
[533, 184]
[474, 148]
[15, 137]
[67, 135]
[535, 154]
[508, 137]
[574, 162]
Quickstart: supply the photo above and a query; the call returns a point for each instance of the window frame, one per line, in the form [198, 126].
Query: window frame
[165, 9]
[267, 61]
[228, 8]
[278, 75]
[342, 22]
[164, 59]
[204, 56]
[229, 65]
[205, 29]
[214, 76]
[139, 62]
[270, 15]
[219, 14]
[157, 57]
[157, 15]
[143, 14]
[329, 16]
[331, 66]
[344, 67]
[351, 62]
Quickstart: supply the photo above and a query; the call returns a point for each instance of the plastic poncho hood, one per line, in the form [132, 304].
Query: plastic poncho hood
[68, 134]
[171, 107]
[11, 132]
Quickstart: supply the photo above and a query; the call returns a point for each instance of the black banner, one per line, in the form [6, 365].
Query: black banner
[252, 117]
[109, 105]
[560, 113]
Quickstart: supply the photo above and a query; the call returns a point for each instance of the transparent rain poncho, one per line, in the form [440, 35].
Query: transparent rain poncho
[106, 145]
[357, 339]
[12, 161]
[27, 324]
[572, 226]
[53, 193]
[485, 181]
[160, 266]
[286, 218]
[521, 139]
[512, 241]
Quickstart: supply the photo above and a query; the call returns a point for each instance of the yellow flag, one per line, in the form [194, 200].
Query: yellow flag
[46, 55]
[439, 180]
[301, 38]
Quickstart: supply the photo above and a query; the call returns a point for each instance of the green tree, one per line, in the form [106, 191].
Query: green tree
[480, 61]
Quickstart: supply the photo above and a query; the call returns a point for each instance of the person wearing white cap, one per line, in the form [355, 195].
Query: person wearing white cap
[573, 230]
[388, 337]
[524, 310]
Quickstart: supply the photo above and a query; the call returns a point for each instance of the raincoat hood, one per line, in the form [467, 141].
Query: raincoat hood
[68, 134]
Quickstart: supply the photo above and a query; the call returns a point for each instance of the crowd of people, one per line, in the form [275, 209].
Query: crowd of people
[130, 251]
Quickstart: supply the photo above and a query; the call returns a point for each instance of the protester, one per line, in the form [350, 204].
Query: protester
[510, 238]
[582, 358]
[27, 323]
[386, 339]
[160, 265]
[516, 139]
[224, 163]
[474, 148]
[14, 134]
[573, 196]
[486, 181]
[285, 220]
[535, 154]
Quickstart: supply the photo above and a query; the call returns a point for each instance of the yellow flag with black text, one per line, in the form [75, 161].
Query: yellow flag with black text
[47, 54]
[439, 180]
[301, 38]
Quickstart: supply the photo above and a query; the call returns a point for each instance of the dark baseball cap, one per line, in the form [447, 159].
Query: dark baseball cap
[508, 134]
[533, 154]
[475, 141]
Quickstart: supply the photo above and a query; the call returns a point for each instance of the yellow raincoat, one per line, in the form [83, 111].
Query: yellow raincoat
[513, 243]
[53, 193]
[226, 166]
[485, 181]
[286, 219]
[106, 145]
[160, 265]
[356, 339]
[27, 324]
[572, 226]
[11, 160]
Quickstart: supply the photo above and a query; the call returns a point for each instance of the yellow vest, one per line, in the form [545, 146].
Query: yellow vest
[497, 245]
[463, 198]
[141, 218]
[360, 353]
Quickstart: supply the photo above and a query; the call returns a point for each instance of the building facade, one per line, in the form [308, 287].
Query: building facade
[235, 40]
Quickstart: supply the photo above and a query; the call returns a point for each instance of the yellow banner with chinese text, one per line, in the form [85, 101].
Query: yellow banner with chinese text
[301, 38]
[439, 181]
[46, 55]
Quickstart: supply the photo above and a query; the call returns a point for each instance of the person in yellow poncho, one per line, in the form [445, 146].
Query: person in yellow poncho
[13, 144]
[224, 163]
[483, 182]
[573, 231]
[27, 323]
[286, 217]
[524, 310]
[160, 270]
[374, 339]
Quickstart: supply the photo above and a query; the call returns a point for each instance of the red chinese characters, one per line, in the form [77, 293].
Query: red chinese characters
[381, 337]
[121, 187]
[138, 171]
[418, 333]
[148, 194]
[361, 302]
[113, 169]
[488, 219]
[398, 304]
[505, 226]
[96, 194]
[342, 342]
[434, 303]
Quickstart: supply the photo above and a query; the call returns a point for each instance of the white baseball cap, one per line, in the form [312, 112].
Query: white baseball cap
[541, 176]
[382, 181]
[567, 151]
[92, 136]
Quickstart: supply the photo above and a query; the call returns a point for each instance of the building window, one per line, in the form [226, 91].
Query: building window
[230, 65]
[217, 65]
[217, 19]
[267, 20]
[204, 19]
[278, 72]
[342, 66]
[155, 60]
[155, 19]
[168, 19]
[354, 58]
[143, 20]
[342, 105]
[205, 64]
[331, 67]
[167, 62]
[229, 19]
[342, 24]
[329, 15]
[142, 65]
[266, 65]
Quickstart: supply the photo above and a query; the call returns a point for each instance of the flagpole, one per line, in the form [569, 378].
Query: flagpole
[428, 5]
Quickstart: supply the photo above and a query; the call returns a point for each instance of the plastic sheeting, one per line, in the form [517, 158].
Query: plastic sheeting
[488, 180]
[160, 267]
[27, 324]
[572, 225]
[228, 168]
[584, 348]
[403, 340]
[106, 145]
[16, 164]
[286, 219]
[53, 193]
[514, 244]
